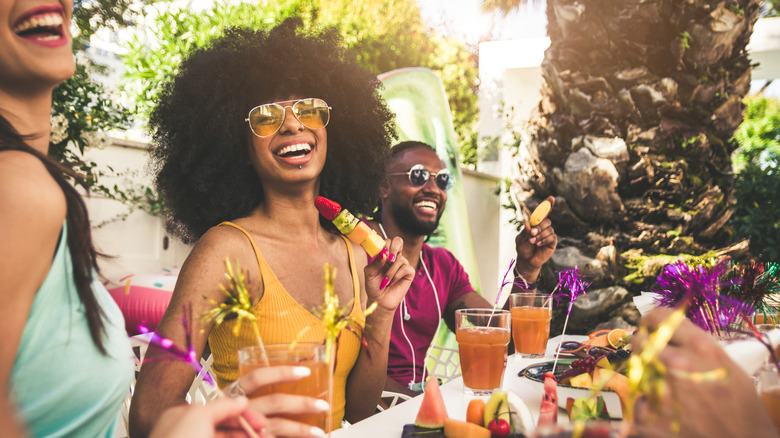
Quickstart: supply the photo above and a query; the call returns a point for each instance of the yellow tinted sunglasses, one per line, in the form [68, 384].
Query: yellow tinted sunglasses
[265, 120]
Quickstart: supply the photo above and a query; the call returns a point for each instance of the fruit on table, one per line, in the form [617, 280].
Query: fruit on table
[618, 338]
[540, 212]
[521, 421]
[615, 381]
[548, 411]
[581, 381]
[475, 412]
[462, 429]
[498, 428]
[432, 411]
[497, 406]
[355, 230]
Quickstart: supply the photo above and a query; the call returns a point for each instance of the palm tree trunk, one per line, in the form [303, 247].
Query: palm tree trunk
[633, 133]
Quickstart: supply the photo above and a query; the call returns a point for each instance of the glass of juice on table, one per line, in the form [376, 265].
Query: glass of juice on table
[769, 389]
[310, 355]
[483, 336]
[531, 315]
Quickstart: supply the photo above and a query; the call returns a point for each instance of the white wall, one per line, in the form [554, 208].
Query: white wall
[137, 243]
[483, 210]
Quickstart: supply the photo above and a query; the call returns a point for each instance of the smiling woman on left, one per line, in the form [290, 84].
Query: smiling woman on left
[65, 359]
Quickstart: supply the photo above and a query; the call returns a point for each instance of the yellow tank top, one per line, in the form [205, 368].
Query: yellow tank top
[281, 319]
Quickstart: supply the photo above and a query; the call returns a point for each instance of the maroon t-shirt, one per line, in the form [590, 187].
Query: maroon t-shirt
[451, 282]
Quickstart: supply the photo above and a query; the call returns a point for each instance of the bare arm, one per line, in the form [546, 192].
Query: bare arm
[32, 210]
[367, 379]
[471, 300]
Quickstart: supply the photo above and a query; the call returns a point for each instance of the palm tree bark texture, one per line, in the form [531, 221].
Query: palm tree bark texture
[633, 132]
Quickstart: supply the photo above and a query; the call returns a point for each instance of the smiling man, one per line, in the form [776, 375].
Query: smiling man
[412, 200]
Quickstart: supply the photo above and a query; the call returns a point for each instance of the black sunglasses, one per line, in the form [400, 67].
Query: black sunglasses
[419, 176]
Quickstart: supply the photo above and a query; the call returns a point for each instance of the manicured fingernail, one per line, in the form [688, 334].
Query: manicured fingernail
[384, 252]
[321, 405]
[316, 431]
[391, 257]
[385, 281]
[301, 371]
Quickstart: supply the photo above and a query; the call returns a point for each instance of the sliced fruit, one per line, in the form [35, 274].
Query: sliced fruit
[461, 429]
[540, 212]
[521, 420]
[615, 381]
[581, 380]
[475, 412]
[432, 411]
[548, 411]
[603, 362]
[618, 338]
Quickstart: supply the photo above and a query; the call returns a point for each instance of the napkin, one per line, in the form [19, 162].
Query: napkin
[646, 302]
[749, 353]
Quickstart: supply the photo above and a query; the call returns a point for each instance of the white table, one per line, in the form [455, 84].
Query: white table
[390, 423]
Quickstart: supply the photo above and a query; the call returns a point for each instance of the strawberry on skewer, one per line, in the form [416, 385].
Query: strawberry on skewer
[355, 230]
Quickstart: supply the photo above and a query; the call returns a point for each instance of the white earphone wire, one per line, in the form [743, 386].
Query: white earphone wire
[405, 314]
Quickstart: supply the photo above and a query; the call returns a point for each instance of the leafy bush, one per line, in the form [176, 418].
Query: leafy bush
[757, 214]
[385, 34]
[757, 162]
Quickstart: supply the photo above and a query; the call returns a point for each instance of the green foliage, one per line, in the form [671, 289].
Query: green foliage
[771, 8]
[685, 41]
[759, 134]
[83, 113]
[757, 214]
[386, 35]
[757, 161]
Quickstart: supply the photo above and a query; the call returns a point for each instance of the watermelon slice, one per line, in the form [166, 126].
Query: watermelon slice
[432, 411]
[548, 411]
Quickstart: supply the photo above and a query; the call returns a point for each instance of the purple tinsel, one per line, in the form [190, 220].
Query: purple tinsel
[167, 346]
[699, 287]
[569, 280]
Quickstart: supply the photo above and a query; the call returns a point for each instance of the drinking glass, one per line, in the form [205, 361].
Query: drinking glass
[483, 336]
[769, 389]
[531, 315]
[310, 355]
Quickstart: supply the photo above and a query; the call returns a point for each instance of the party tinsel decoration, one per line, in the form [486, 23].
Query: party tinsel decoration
[335, 319]
[238, 304]
[175, 353]
[756, 284]
[699, 289]
[572, 286]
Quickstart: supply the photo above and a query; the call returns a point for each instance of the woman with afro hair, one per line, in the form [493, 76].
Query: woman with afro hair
[250, 131]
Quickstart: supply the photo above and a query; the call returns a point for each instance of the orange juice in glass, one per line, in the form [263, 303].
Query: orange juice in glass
[309, 355]
[531, 315]
[769, 389]
[483, 336]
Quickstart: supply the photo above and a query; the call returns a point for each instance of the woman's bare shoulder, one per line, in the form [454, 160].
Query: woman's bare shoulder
[28, 193]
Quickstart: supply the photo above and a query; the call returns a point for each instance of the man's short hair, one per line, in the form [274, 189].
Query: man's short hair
[404, 146]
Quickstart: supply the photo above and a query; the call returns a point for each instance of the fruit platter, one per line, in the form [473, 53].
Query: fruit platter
[566, 392]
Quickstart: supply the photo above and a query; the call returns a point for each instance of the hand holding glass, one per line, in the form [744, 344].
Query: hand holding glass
[309, 355]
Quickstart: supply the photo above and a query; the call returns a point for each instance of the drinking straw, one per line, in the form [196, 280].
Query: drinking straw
[568, 279]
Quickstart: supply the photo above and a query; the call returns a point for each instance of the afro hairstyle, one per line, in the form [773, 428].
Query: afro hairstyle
[200, 152]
